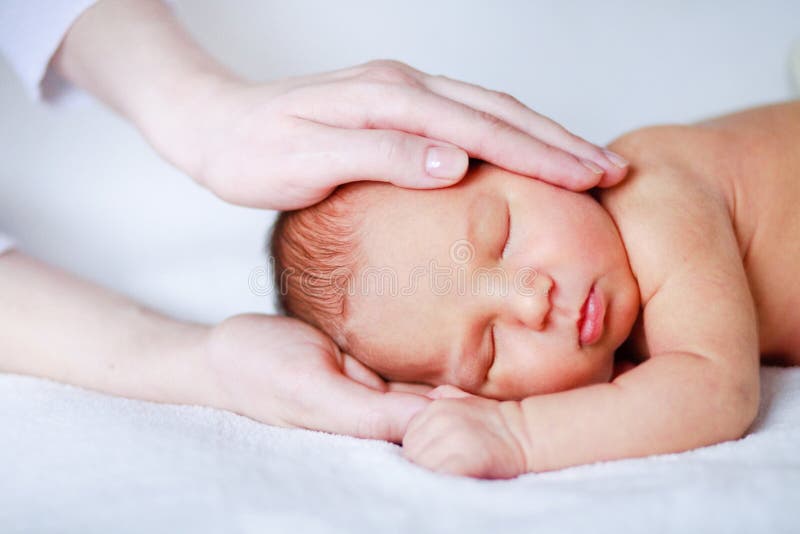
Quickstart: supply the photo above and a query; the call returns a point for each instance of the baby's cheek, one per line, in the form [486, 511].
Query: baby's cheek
[583, 369]
[542, 375]
[516, 386]
[606, 372]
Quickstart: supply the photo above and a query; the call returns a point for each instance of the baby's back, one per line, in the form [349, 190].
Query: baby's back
[764, 148]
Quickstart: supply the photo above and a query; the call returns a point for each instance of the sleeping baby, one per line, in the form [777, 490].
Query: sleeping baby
[566, 328]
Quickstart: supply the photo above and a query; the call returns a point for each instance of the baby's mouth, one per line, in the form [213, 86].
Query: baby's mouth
[590, 324]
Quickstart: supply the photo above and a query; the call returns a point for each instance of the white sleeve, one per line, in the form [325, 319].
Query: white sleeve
[30, 33]
[6, 243]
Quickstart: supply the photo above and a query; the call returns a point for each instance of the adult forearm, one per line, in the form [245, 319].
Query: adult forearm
[671, 403]
[56, 326]
[135, 56]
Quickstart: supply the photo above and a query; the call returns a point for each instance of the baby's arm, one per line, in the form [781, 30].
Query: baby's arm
[699, 384]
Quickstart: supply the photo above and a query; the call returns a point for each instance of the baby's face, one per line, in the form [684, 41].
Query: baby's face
[502, 285]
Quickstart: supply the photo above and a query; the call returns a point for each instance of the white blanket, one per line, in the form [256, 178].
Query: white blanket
[78, 461]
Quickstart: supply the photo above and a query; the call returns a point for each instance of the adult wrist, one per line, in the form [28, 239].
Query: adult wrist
[171, 358]
[181, 115]
[135, 57]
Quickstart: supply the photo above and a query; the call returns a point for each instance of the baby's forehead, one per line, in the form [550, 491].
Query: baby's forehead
[412, 226]
[385, 202]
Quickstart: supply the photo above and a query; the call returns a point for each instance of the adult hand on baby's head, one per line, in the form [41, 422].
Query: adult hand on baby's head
[463, 434]
[288, 144]
[283, 372]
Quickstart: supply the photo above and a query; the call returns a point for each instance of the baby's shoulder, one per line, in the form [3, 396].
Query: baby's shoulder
[668, 210]
[677, 228]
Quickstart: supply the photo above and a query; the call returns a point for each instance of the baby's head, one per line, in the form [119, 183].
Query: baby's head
[502, 285]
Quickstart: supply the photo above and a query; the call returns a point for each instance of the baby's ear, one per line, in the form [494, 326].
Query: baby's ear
[448, 392]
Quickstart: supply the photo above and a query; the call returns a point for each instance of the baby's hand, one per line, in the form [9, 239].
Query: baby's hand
[463, 434]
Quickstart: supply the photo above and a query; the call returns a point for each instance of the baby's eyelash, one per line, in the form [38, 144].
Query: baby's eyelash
[508, 231]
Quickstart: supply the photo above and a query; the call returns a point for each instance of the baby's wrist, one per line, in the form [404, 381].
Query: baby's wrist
[514, 417]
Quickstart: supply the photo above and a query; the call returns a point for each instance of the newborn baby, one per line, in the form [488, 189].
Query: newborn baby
[505, 287]
[514, 290]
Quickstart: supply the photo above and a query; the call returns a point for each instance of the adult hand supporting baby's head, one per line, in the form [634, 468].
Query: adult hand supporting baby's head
[283, 372]
[288, 144]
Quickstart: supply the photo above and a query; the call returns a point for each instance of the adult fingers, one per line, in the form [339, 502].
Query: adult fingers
[407, 387]
[451, 464]
[357, 410]
[419, 111]
[447, 391]
[515, 113]
[362, 374]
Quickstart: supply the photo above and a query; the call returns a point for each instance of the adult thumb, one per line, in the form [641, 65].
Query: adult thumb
[387, 415]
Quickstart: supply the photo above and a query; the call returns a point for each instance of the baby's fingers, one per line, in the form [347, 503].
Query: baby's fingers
[426, 435]
[435, 452]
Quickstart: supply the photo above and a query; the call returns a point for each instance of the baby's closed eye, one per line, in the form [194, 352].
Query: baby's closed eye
[507, 238]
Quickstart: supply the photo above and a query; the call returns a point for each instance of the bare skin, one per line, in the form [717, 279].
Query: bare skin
[753, 159]
[281, 144]
[710, 223]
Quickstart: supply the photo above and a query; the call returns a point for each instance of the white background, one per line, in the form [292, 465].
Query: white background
[79, 188]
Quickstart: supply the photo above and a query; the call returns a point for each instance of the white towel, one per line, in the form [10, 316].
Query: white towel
[77, 461]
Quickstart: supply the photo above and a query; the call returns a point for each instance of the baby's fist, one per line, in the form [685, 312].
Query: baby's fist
[462, 434]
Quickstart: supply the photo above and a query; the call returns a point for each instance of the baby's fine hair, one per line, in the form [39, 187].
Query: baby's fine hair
[315, 252]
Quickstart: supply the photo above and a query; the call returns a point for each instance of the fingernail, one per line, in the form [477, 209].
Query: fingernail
[592, 166]
[446, 162]
[616, 159]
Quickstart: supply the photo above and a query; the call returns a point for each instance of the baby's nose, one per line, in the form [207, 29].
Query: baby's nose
[530, 299]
